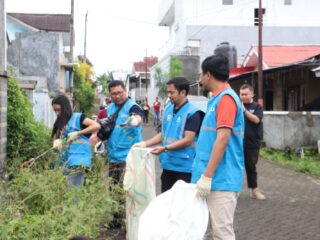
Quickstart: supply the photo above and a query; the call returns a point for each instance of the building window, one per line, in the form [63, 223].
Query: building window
[256, 16]
[227, 2]
[287, 2]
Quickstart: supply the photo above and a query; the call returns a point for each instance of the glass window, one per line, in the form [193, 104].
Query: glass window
[287, 2]
[227, 2]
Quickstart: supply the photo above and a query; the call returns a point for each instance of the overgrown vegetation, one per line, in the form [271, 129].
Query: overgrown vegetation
[36, 203]
[163, 77]
[84, 94]
[309, 164]
[25, 136]
[41, 206]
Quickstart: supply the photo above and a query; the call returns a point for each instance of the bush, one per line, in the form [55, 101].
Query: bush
[310, 164]
[25, 137]
[41, 206]
[84, 94]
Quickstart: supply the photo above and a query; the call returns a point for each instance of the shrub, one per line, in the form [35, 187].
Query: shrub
[25, 137]
[41, 206]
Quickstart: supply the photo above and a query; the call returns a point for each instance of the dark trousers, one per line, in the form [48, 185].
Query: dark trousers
[169, 178]
[251, 159]
[146, 116]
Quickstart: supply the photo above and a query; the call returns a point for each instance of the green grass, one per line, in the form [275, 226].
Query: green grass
[310, 164]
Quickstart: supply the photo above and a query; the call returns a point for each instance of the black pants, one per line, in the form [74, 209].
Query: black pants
[251, 159]
[146, 116]
[169, 178]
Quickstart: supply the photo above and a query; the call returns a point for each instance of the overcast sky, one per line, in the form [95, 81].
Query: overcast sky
[118, 31]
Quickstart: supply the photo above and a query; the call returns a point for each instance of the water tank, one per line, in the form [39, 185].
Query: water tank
[229, 51]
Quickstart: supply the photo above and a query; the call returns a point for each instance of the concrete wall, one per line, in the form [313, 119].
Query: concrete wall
[190, 66]
[38, 54]
[3, 122]
[42, 109]
[3, 89]
[292, 129]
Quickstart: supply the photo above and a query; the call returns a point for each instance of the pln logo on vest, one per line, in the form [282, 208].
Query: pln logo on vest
[179, 119]
[169, 117]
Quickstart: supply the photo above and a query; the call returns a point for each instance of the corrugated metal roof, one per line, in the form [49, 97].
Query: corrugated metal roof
[45, 22]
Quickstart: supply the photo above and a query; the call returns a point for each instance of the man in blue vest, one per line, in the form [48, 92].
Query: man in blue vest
[180, 128]
[126, 133]
[219, 163]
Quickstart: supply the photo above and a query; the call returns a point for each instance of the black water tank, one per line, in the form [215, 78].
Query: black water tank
[229, 51]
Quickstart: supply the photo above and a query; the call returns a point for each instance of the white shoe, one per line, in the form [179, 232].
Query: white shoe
[256, 194]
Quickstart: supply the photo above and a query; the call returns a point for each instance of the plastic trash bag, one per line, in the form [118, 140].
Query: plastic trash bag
[175, 215]
[139, 185]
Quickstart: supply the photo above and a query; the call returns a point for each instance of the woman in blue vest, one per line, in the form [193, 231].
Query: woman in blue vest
[76, 128]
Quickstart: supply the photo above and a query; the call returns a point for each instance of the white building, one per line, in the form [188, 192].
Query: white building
[197, 26]
[207, 23]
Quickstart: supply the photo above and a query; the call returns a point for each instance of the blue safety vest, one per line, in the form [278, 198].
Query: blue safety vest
[79, 152]
[229, 173]
[173, 128]
[122, 139]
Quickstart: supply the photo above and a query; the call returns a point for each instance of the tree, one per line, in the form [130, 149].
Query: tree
[103, 81]
[175, 67]
[84, 93]
[162, 78]
[161, 82]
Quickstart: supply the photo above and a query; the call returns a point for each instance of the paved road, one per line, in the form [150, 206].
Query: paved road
[291, 212]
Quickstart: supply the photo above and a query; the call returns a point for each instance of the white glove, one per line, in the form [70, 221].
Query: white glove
[72, 136]
[131, 122]
[139, 145]
[204, 186]
[99, 148]
[57, 144]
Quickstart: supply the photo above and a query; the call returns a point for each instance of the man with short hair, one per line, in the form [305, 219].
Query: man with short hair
[180, 128]
[127, 131]
[253, 114]
[219, 163]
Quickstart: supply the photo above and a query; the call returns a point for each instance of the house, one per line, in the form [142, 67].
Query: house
[289, 79]
[139, 79]
[39, 50]
[198, 26]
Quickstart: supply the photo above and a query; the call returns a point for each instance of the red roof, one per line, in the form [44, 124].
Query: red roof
[239, 70]
[276, 56]
[141, 66]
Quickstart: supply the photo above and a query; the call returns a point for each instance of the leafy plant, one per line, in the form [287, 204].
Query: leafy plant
[25, 137]
[84, 94]
[309, 164]
[175, 67]
[102, 81]
[41, 206]
[162, 78]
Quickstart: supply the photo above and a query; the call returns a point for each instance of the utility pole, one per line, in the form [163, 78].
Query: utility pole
[260, 67]
[146, 69]
[3, 88]
[85, 39]
[71, 47]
